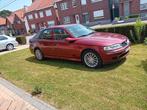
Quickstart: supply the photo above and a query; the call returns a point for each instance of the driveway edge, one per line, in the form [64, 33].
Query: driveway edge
[40, 105]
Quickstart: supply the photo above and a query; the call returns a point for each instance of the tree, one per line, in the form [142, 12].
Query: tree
[5, 13]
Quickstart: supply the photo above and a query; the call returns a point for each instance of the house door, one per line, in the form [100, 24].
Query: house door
[77, 18]
[85, 18]
[126, 8]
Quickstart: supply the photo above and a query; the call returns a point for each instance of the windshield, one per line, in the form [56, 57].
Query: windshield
[79, 30]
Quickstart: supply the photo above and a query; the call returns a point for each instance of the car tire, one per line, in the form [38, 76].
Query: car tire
[91, 59]
[10, 47]
[38, 54]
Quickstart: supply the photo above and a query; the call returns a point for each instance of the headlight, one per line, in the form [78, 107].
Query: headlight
[112, 47]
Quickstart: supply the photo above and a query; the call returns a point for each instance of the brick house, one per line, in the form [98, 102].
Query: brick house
[3, 27]
[83, 11]
[129, 7]
[15, 22]
[143, 8]
[40, 14]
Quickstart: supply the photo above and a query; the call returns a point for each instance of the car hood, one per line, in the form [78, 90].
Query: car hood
[103, 39]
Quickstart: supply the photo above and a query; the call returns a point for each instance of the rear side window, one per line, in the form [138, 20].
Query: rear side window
[60, 34]
[46, 34]
[3, 38]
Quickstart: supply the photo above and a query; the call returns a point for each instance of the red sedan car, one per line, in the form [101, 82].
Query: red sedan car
[78, 43]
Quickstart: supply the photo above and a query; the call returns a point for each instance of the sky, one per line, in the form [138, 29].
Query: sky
[15, 5]
[143, 1]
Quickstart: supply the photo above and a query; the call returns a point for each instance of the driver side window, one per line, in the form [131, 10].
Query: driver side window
[46, 34]
[60, 34]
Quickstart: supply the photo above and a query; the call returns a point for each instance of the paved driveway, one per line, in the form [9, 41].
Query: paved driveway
[20, 47]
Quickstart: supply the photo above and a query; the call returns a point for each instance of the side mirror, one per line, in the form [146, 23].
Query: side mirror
[69, 39]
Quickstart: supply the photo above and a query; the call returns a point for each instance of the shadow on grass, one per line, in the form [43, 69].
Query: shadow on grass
[74, 65]
[144, 64]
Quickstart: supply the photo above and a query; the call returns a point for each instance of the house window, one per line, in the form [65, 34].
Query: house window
[48, 13]
[33, 26]
[51, 23]
[93, 1]
[85, 17]
[66, 20]
[74, 3]
[83, 2]
[64, 6]
[98, 14]
[41, 14]
[36, 15]
[30, 16]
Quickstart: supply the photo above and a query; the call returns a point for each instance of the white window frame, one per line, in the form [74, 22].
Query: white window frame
[74, 3]
[51, 23]
[48, 12]
[33, 26]
[30, 16]
[98, 14]
[94, 1]
[64, 6]
[41, 14]
[66, 20]
[83, 2]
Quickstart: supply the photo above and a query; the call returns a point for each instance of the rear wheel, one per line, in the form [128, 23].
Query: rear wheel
[91, 59]
[10, 47]
[38, 54]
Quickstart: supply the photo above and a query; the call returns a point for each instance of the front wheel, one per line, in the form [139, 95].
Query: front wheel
[91, 59]
[38, 54]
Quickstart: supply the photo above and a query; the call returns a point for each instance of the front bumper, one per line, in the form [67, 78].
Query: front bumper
[115, 55]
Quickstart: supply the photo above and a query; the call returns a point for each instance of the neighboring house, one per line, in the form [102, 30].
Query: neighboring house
[143, 8]
[3, 27]
[129, 7]
[15, 22]
[41, 14]
[83, 11]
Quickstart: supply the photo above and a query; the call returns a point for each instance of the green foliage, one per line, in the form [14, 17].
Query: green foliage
[127, 30]
[117, 18]
[134, 16]
[21, 40]
[36, 91]
[135, 32]
[5, 13]
[139, 28]
[145, 41]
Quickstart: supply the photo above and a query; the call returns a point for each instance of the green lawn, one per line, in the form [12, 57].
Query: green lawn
[71, 86]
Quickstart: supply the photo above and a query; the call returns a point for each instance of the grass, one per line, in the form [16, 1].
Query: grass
[71, 86]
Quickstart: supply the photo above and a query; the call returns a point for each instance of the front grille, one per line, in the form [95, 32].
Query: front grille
[124, 44]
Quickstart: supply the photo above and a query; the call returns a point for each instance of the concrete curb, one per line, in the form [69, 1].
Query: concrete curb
[40, 105]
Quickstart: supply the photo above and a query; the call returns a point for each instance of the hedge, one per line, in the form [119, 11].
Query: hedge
[21, 40]
[127, 30]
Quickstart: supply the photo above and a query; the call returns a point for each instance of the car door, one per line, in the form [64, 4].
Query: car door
[63, 48]
[3, 41]
[46, 42]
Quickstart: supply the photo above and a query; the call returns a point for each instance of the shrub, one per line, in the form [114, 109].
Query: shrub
[139, 29]
[129, 30]
[21, 40]
[145, 41]
[134, 16]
